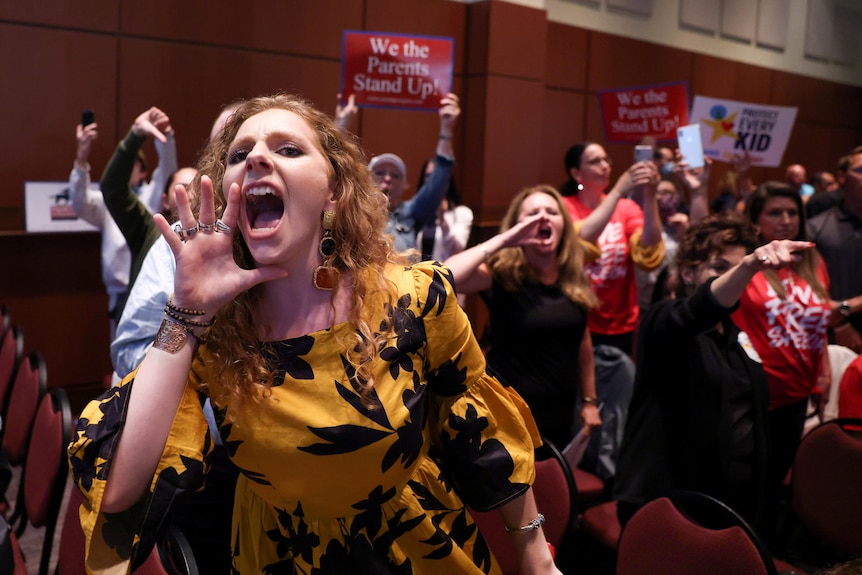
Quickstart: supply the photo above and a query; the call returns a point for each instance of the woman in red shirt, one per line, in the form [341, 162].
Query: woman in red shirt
[786, 314]
[625, 235]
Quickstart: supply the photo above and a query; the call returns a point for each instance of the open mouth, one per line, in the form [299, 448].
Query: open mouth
[544, 233]
[264, 208]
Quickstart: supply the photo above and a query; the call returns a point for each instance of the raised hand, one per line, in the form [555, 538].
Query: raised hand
[449, 111]
[524, 232]
[639, 174]
[85, 135]
[693, 179]
[153, 123]
[345, 113]
[207, 277]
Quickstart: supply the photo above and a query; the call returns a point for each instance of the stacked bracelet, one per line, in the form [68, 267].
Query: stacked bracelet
[178, 325]
[533, 525]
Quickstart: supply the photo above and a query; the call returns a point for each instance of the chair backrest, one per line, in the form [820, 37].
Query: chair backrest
[172, 555]
[70, 555]
[11, 351]
[27, 390]
[664, 538]
[556, 499]
[46, 468]
[825, 487]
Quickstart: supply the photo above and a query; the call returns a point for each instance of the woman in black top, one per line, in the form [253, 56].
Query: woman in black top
[697, 419]
[532, 280]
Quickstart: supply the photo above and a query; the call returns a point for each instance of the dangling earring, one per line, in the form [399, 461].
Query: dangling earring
[326, 277]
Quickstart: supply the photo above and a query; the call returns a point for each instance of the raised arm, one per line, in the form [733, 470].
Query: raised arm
[87, 203]
[729, 287]
[638, 174]
[652, 219]
[423, 206]
[345, 114]
[151, 194]
[470, 267]
[130, 212]
[694, 180]
[207, 277]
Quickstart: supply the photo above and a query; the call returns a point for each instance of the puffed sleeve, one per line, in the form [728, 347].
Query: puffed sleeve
[485, 431]
[647, 258]
[119, 542]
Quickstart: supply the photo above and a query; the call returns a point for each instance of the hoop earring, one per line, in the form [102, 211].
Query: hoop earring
[325, 276]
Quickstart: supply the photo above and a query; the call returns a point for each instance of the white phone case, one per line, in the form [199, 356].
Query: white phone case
[690, 145]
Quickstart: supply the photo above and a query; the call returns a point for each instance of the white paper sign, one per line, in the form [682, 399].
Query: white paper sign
[47, 208]
[730, 128]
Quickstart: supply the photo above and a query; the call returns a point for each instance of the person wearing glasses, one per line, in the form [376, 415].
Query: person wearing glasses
[389, 173]
[626, 235]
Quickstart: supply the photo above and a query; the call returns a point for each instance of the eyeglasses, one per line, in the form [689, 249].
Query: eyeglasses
[597, 161]
[381, 174]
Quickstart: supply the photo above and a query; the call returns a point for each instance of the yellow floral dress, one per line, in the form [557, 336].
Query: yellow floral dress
[327, 484]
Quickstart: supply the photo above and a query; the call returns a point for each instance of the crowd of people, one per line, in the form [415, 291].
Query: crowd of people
[299, 389]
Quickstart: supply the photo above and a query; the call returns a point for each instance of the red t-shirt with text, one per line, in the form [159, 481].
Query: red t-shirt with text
[613, 274]
[788, 334]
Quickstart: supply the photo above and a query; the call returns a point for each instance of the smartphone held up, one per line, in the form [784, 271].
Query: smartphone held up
[643, 153]
[87, 118]
[690, 145]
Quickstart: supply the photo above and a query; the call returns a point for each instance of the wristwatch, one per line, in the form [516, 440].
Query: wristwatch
[844, 309]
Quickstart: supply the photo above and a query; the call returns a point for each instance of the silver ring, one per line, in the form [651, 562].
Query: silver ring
[189, 232]
[222, 227]
[764, 259]
[206, 228]
[178, 229]
[185, 233]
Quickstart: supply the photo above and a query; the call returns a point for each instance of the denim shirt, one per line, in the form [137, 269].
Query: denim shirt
[409, 217]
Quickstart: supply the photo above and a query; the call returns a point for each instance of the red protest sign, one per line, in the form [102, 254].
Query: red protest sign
[396, 70]
[630, 114]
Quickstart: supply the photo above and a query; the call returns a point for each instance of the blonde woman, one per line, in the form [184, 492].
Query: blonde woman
[531, 276]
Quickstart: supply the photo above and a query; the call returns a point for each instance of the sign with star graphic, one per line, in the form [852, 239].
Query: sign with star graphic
[731, 128]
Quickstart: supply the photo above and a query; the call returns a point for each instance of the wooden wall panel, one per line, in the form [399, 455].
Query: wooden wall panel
[617, 62]
[52, 77]
[196, 81]
[102, 15]
[517, 43]
[566, 57]
[429, 17]
[819, 101]
[52, 285]
[282, 26]
[474, 123]
[562, 127]
[718, 78]
[513, 151]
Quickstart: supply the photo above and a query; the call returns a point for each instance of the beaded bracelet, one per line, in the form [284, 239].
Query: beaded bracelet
[189, 322]
[533, 525]
[183, 310]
